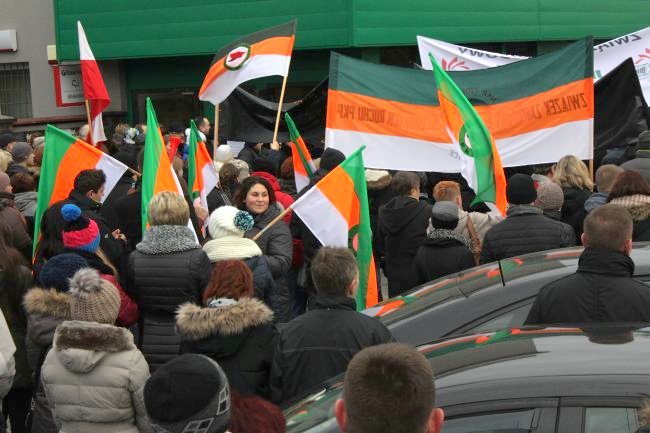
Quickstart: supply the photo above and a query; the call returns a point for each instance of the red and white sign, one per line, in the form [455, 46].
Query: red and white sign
[68, 85]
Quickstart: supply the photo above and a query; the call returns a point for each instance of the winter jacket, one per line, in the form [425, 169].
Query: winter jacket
[482, 223]
[639, 207]
[601, 290]
[319, 344]
[595, 200]
[379, 193]
[94, 378]
[11, 296]
[14, 168]
[26, 203]
[240, 337]
[219, 197]
[46, 309]
[15, 225]
[119, 191]
[127, 214]
[7, 362]
[167, 269]
[403, 225]
[573, 208]
[525, 230]
[236, 248]
[442, 253]
[283, 198]
[277, 248]
[640, 164]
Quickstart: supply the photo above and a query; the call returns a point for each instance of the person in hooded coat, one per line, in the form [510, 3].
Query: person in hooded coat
[402, 225]
[94, 375]
[632, 191]
[444, 251]
[283, 198]
[231, 327]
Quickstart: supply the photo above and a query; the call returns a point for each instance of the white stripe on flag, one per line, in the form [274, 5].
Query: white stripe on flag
[113, 169]
[301, 181]
[84, 48]
[322, 218]
[98, 129]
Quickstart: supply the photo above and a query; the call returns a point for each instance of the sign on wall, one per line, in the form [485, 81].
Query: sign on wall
[68, 85]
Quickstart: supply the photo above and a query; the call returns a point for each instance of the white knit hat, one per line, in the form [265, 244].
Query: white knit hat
[223, 156]
[229, 221]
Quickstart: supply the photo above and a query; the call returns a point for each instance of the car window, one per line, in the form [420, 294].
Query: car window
[510, 319]
[610, 420]
[503, 422]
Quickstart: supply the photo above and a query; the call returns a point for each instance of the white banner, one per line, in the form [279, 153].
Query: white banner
[607, 56]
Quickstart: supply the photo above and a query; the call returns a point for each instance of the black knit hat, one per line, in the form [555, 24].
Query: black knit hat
[57, 271]
[331, 158]
[5, 139]
[521, 189]
[189, 393]
[444, 215]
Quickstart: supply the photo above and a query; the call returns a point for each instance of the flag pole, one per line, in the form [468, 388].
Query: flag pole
[591, 168]
[215, 142]
[90, 123]
[273, 222]
[277, 118]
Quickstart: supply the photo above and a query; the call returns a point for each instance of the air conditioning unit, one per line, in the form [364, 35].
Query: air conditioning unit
[8, 41]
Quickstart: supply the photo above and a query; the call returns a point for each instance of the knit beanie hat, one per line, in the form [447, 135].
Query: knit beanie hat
[521, 189]
[6, 139]
[550, 196]
[57, 271]
[188, 394]
[79, 232]
[93, 298]
[4, 181]
[229, 221]
[244, 169]
[21, 151]
[331, 158]
[444, 215]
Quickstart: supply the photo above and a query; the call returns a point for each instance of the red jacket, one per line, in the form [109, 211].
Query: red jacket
[129, 312]
[283, 198]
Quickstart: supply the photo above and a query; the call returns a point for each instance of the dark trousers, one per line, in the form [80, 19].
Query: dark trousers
[15, 407]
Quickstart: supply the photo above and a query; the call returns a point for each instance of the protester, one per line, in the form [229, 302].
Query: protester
[227, 226]
[319, 344]
[550, 199]
[14, 223]
[602, 289]
[574, 178]
[284, 199]
[250, 413]
[402, 227]
[287, 179]
[15, 279]
[468, 222]
[641, 163]
[81, 237]
[251, 152]
[232, 327]
[223, 194]
[167, 269]
[243, 167]
[257, 197]
[126, 215]
[525, 229]
[444, 251]
[23, 156]
[389, 388]
[188, 394]
[125, 185]
[24, 190]
[47, 308]
[605, 178]
[632, 191]
[94, 375]
[542, 173]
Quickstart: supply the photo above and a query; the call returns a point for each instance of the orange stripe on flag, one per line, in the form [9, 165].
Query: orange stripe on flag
[164, 177]
[280, 45]
[78, 157]
[339, 189]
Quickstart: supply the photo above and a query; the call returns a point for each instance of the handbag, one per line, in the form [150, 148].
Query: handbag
[475, 242]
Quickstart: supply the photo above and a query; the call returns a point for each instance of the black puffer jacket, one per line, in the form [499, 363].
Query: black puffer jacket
[525, 230]
[442, 253]
[277, 249]
[167, 269]
[573, 208]
[402, 225]
[319, 344]
[240, 337]
[601, 290]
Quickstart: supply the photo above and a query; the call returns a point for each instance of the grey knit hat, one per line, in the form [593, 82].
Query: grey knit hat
[444, 215]
[93, 298]
[21, 151]
[549, 196]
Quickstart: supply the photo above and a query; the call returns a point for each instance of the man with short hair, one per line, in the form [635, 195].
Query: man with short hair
[602, 289]
[402, 224]
[605, 177]
[319, 344]
[389, 388]
[525, 229]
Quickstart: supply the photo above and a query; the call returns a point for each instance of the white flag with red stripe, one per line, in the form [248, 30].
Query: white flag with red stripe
[94, 88]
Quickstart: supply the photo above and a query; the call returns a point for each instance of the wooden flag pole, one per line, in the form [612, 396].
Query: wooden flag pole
[272, 223]
[90, 123]
[591, 168]
[215, 142]
[277, 118]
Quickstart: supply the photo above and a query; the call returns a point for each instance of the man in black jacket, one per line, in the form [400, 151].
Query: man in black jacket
[402, 226]
[525, 229]
[602, 289]
[319, 344]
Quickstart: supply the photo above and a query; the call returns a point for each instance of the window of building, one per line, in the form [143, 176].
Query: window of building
[15, 90]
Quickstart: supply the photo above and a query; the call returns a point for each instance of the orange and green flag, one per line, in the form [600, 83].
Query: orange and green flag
[480, 163]
[157, 172]
[303, 166]
[64, 157]
[336, 211]
[201, 176]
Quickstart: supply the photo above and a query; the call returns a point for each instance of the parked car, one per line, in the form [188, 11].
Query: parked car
[541, 380]
[494, 296]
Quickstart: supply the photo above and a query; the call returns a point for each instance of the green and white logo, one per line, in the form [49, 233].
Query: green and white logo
[237, 57]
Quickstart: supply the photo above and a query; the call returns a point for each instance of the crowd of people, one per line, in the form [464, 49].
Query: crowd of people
[184, 329]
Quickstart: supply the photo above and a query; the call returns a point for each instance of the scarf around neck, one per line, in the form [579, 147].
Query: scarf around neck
[166, 239]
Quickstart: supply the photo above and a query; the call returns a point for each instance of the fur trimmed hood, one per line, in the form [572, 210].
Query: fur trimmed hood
[47, 302]
[638, 205]
[196, 323]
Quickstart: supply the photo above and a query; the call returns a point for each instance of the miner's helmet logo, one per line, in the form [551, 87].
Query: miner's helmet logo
[237, 57]
[464, 142]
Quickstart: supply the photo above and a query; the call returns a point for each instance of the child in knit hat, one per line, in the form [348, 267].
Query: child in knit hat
[94, 365]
